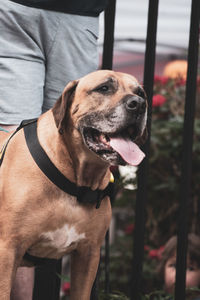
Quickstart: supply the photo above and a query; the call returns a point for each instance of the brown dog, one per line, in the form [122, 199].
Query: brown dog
[92, 126]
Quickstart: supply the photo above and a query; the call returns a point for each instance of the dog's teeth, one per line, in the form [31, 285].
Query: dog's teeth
[104, 139]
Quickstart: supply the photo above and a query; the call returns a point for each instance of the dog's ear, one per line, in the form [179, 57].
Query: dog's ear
[61, 107]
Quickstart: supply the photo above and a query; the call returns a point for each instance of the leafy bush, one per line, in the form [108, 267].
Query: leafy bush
[166, 158]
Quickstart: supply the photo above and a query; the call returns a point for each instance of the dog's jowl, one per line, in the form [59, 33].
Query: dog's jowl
[55, 172]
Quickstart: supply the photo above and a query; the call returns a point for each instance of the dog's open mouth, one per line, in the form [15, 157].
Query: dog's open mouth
[110, 146]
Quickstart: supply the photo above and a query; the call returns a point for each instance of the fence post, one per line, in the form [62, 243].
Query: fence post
[138, 248]
[107, 63]
[185, 188]
[109, 27]
[47, 282]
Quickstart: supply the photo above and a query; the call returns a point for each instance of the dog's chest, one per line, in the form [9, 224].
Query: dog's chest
[54, 244]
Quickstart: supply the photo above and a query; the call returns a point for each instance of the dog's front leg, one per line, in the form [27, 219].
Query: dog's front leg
[84, 265]
[7, 270]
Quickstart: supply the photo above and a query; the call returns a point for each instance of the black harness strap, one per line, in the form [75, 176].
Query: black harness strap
[38, 261]
[84, 194]
[44, 163]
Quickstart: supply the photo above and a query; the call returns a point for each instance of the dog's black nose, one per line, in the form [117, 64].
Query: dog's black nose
[136, 104]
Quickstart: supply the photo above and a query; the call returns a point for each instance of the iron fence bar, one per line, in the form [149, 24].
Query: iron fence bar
[47, 282]
[107, 246]
[109, 27]
[107, 263]
[185, 187]
[107, 63]
[138, 248]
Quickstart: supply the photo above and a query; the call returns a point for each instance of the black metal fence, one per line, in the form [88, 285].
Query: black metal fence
[46, 288]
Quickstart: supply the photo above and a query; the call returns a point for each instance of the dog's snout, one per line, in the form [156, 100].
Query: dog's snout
[136, 104]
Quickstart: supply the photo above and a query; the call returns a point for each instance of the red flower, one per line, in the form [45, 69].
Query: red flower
[156, 253]
[66, 288]
[161, 79]
[129, 228]
[158, 100]
[157, 78]
[180, 81]
[153, 253]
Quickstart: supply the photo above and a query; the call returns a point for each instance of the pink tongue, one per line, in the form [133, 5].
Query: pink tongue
[128, 150]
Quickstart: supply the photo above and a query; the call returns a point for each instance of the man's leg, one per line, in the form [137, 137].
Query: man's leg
[74, 52]
[23, 285]
[22, 63]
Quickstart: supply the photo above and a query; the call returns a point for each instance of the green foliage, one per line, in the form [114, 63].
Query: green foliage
[157, 295]
[113, 296]
[166, 159]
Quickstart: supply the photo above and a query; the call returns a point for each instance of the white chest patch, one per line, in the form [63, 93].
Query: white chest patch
[53, 243]
[63, 237]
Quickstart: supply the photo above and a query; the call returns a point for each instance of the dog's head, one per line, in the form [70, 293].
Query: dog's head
[109, 111]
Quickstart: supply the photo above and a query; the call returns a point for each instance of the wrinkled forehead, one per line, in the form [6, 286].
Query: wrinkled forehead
[120, 80]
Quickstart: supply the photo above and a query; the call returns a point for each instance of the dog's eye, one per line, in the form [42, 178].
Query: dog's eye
[140, 93]
[102, 89]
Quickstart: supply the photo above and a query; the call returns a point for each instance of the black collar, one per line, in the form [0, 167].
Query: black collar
[83, 194]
